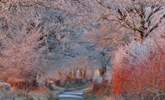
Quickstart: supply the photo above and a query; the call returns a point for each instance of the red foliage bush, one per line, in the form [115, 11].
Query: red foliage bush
[136, 78]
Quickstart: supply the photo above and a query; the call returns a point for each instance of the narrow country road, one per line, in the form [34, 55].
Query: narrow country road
[72, 95]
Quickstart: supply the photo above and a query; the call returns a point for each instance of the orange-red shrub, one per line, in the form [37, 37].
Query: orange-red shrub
[136, 78]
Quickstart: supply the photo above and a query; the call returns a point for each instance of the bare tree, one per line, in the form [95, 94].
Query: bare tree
[142, 18]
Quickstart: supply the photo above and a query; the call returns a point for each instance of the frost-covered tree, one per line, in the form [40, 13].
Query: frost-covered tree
[41, 34]
[24, 35]
[142, 17]
[145, 20]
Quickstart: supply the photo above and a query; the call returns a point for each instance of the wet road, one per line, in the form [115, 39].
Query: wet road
[72, 95]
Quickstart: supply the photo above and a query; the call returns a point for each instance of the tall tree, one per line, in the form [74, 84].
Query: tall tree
[141, 17]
